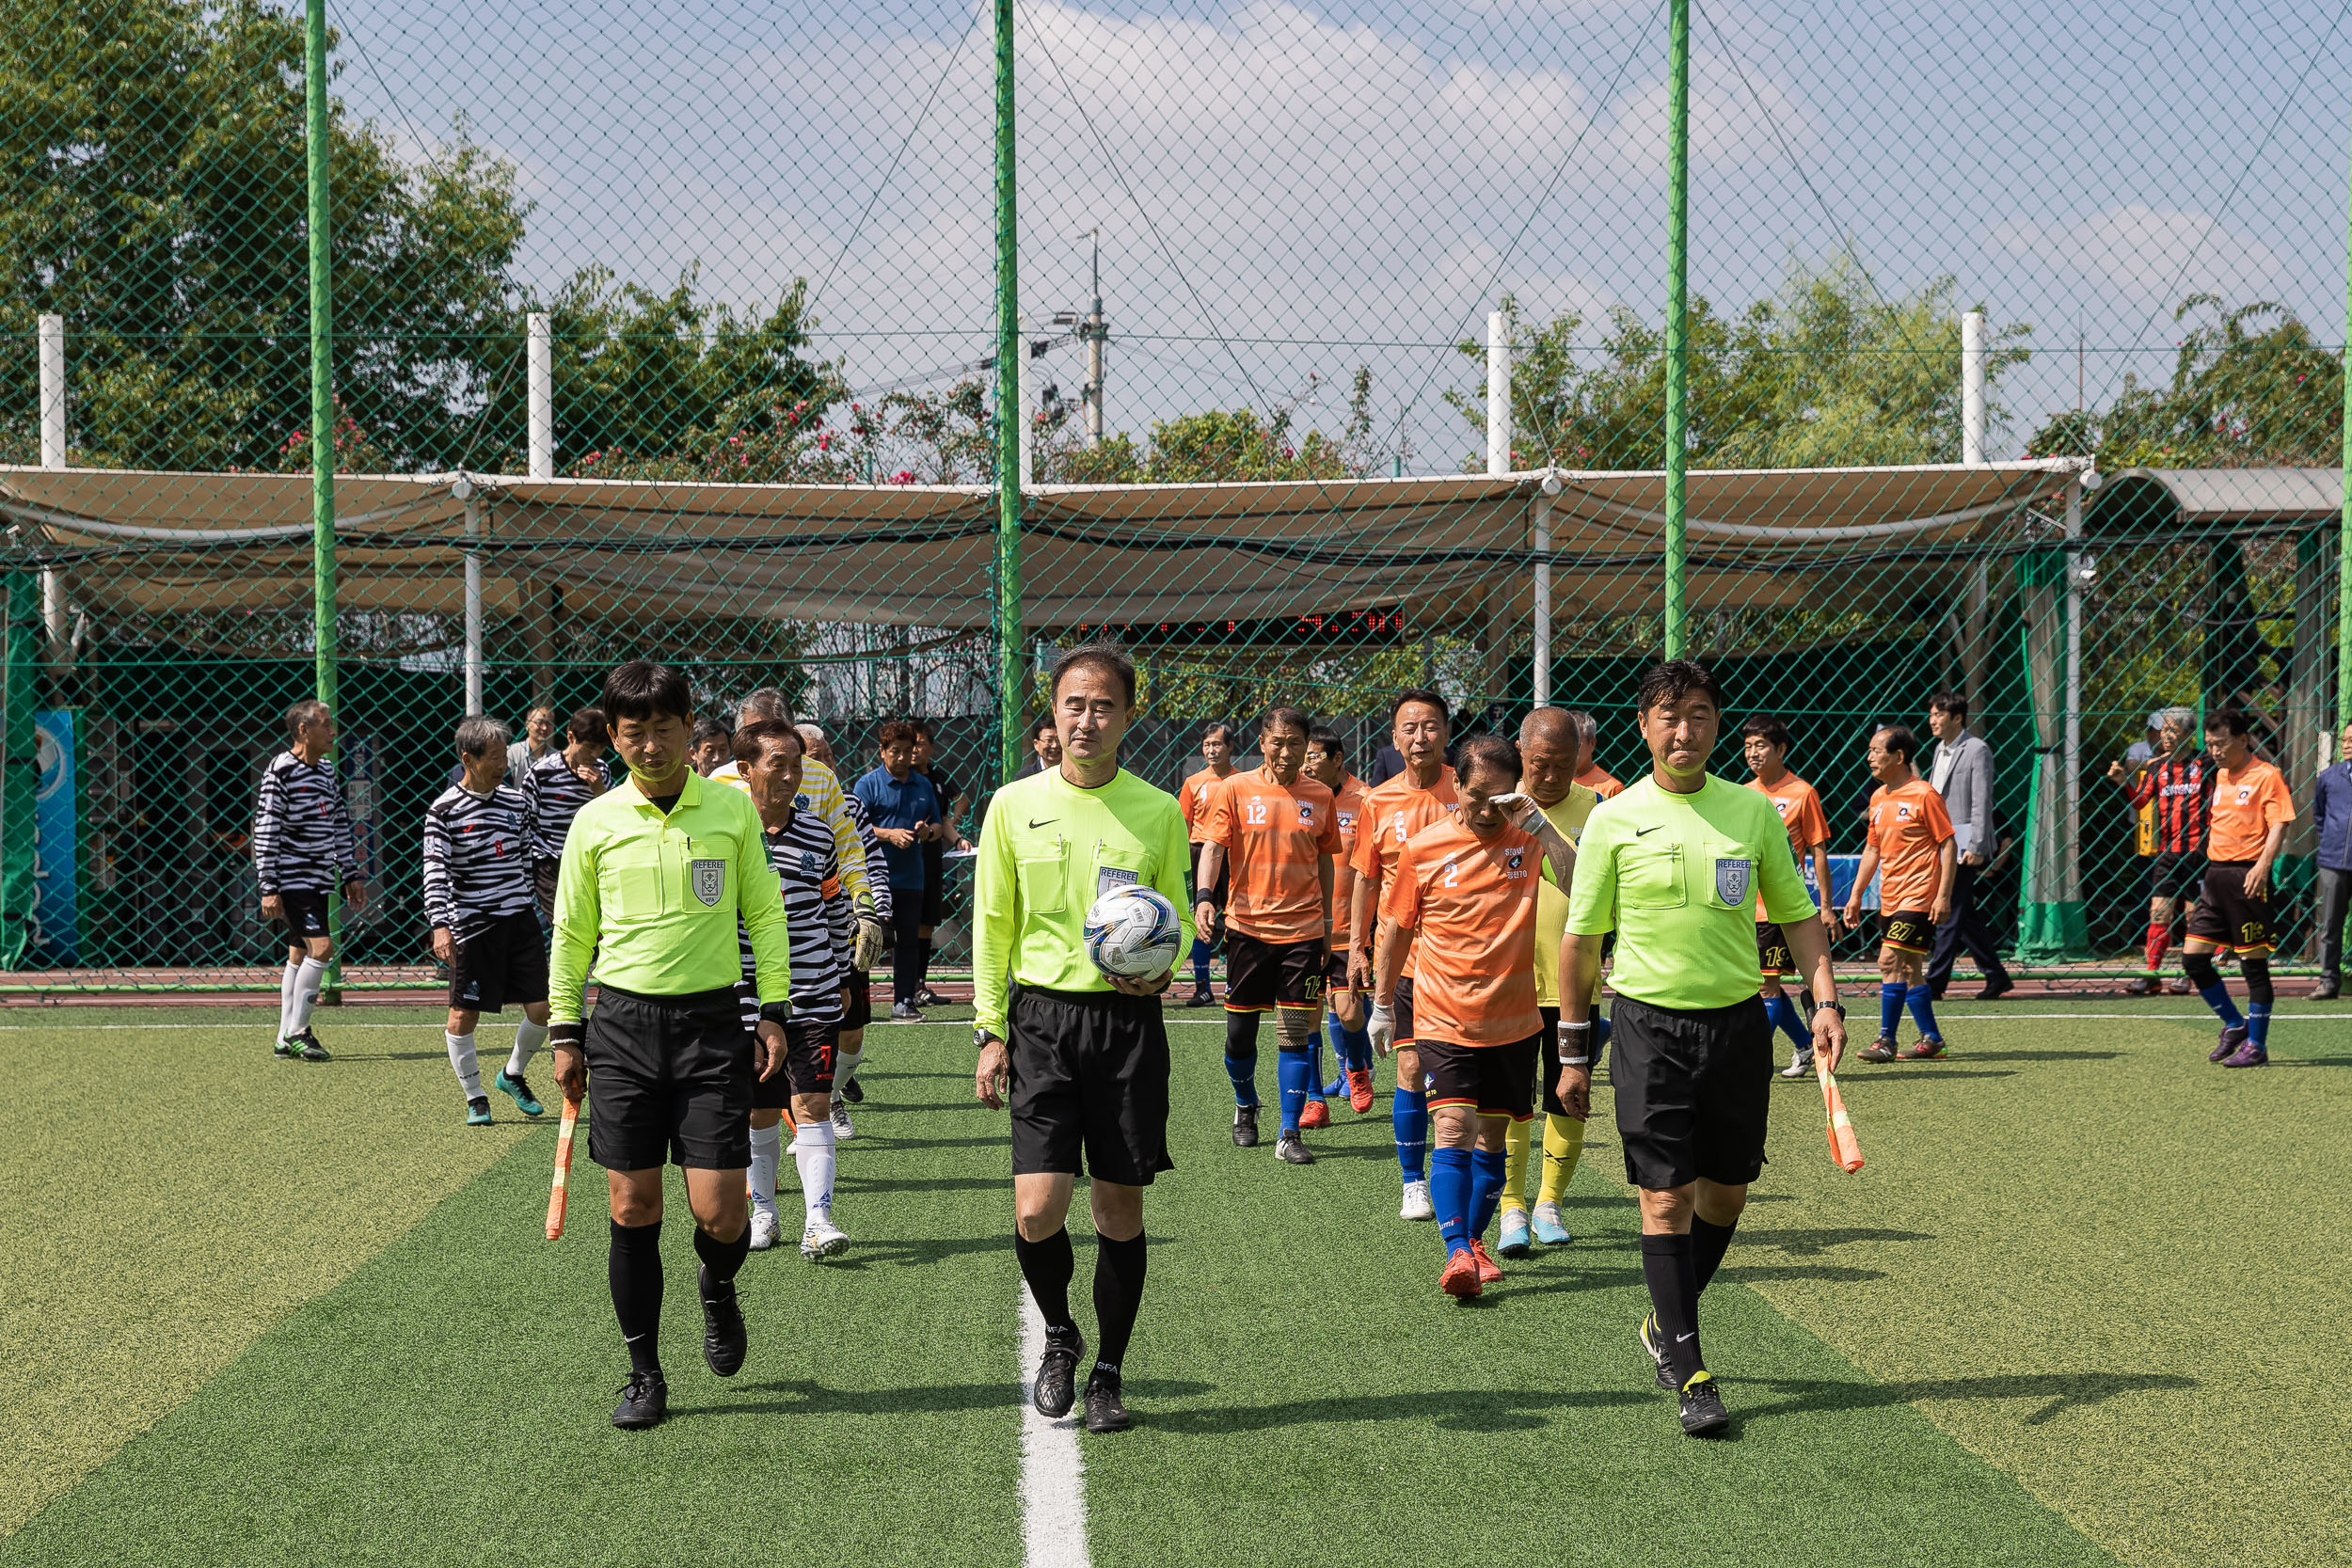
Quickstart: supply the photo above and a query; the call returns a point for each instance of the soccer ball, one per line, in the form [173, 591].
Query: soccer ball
[1132, 932]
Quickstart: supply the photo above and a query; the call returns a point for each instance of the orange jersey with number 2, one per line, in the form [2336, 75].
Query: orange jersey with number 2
[1472, 904]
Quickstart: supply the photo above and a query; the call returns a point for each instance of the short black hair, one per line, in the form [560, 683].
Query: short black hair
[711, 729]
[1215, 727]
[1768, 729]
[1493, 750]
[587, 727]
[895, 730]
[1897, 738]
[1951, 703]
[1421, 694]
[2229, 721]
[1045, 725]
[923, 729]
[1673, 681]
[641, 689]
[751, 741]
[1286, 718]
[1328, 738]
[1107, 659]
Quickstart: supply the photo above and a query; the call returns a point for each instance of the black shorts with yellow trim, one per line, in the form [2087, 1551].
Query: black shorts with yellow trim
[1402, 1011]
[1335, 972]
[2227, 916]
[1908, 931]
[1260, 976]
[1491, 1080]
[1773, 956]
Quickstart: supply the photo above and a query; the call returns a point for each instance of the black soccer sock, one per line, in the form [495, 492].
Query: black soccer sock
[1117, 1296]
[925, 948]
[634, 1269]
[1047, 1265]
[1708, 1245]
[722, 1258]
[1673, 1293]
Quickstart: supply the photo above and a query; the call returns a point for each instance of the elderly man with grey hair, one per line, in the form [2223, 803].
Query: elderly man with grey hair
[1961, 772]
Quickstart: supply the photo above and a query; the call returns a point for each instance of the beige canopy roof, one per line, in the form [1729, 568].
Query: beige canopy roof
[921, 555]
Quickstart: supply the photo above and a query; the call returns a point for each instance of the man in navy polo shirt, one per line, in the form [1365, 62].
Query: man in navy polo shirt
[905, 810]
[2331, 809]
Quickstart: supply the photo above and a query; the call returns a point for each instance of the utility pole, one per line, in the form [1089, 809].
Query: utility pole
[1096, 332]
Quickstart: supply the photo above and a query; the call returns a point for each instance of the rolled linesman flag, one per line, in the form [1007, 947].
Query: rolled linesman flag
[1844, 1147]
[563, 1168]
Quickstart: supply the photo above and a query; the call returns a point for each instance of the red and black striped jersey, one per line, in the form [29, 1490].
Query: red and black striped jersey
[2182, 788]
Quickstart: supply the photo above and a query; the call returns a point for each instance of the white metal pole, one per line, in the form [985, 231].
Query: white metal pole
[473, 607]
[52, 613]
[1972, 388]
[2070, 883]
[541, 372]
[1541, 515]
[1498, 393]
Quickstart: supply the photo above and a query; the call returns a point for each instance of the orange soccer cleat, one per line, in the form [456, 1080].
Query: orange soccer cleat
[1488, 1270]
[1460, 1279]
[1315, 1113]
[1359, 1089]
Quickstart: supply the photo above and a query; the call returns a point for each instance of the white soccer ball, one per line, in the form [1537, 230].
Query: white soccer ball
[1132, 932]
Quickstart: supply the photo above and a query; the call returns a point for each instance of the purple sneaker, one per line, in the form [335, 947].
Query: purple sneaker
[2233, 1038]
[2248, 1055]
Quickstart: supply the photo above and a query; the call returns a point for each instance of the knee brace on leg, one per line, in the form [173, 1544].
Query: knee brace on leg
[1293, 1028]
[2257, 973]
[2200, 969]
[1241, 1035]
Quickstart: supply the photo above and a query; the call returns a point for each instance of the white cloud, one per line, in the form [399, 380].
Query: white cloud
[2145, 252]
[1740, 118]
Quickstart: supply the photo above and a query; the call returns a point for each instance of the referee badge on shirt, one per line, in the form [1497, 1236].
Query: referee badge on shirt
[1110, 876]
[709, 880]
[1731, 881]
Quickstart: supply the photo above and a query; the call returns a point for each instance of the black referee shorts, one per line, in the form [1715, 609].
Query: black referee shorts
[670, 1079]
[1090, 1074]
[505, 961]
[1693, 1089]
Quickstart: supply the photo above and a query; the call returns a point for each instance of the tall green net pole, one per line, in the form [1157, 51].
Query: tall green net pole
[2344, 526]
[322, 397]
[1677, 322]
[1009, 413]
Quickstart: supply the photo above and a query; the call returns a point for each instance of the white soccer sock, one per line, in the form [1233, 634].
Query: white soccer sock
[767, 1144]
[309, 982]
[813, 1152]
[845, 1067]
[461, 1059]
[286, 998]
[529, 1037]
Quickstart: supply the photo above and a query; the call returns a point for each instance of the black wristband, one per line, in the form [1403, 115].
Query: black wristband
[777, 1013]
[573, 1034]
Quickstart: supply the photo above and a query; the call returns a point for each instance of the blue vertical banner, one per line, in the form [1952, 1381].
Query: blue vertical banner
[55, 935]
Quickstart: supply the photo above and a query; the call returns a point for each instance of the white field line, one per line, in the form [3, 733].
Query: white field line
[1053, 1477]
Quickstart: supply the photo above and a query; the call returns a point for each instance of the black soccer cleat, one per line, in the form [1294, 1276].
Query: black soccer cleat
[644, 1402]
[1292, 1149]
[854, 1092]
[1056, 1386]
[1653, 1341]
[1105, 1411]
[725, 1339]
[1245, 1126]
[1703, 1412]
[307, 1046]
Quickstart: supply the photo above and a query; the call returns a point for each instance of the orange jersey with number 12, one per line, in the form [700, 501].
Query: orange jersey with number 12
[1275, 836]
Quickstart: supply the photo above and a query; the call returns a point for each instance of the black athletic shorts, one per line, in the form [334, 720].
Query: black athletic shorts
[861, 1009]
[808, 1050]
[543, 884]
[1492, 1080]
[2227, 917]
[505, 961]
[1772, 950]
[669, 1079]
[1263, 975]
[2175, 875]
[1908, 931]
[1401, 1010]
[1693, 1089]
[306, 915]
[1090, 1074]
[1335, 972]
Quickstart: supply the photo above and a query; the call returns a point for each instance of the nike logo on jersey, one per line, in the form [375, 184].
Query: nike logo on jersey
[1035, 823]
[1652, 829]
[1679, 1337]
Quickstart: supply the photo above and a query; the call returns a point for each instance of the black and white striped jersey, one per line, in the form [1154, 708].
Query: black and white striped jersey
[302, 839]
[556, 794]
[808, 866]
[477, 857]
[876, 868]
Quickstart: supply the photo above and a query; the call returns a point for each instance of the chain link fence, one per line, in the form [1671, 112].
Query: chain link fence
[1311, 352]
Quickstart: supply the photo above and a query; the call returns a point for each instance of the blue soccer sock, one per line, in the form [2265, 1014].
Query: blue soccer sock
[1922, 1002]
[1488, 1167]
[1409, 1115]
[1449, 1180]
[1330, 1036]
[1241, 1055]
[1890, 1009]
[1199, 964]
[2258, 1025]
[2201, 973]
[1356, 1049]
[1293, 1075]
[1787, 1020]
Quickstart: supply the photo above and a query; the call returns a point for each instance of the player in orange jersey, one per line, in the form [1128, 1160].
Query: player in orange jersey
[1913, 851]
[1271, 835]
[1465, 887]
[1326, 764]
[1217, 751]
[2248, 813]
[1595, 777]
[1395, 810]
[1766, 744]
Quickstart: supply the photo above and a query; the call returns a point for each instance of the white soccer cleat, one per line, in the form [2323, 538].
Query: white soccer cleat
[1417, 1205]
[767, 1228]
[823, 1239]
[843, 1128]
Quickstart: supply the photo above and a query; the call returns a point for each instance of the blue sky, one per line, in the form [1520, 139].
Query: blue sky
[1286, 191]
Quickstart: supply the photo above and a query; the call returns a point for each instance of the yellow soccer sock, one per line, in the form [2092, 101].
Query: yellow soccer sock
[1515, 1142]
[1564, 1145]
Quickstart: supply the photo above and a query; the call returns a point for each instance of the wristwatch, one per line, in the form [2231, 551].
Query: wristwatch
[1837, 1007]
[980, 1038]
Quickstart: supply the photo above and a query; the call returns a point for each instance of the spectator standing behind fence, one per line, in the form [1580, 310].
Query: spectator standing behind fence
[1044, 746]
[557, 786]
[2174, 790]
[951, 797]
[538, 741]
[1961, 772]
[2331, 809]
[906, 815]
[1595, 777]
[303, 849]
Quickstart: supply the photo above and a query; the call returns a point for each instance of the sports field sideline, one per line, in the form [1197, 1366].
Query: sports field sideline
[260, 1312]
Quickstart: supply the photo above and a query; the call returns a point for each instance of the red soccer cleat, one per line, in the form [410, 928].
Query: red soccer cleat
[1460, 1279]
[1488, 1270]
[1315, 1113]
[1359, 1089]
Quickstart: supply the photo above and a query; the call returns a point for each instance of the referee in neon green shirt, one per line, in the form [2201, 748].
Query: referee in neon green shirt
[653, 878]
[1674, 865]
[1082, 1057]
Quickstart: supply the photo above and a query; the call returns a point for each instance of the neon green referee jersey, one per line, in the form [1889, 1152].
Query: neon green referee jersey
[1676, 878]
[1047, 851]
[653, 898]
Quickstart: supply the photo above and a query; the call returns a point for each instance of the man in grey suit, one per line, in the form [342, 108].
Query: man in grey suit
[1961, 772]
